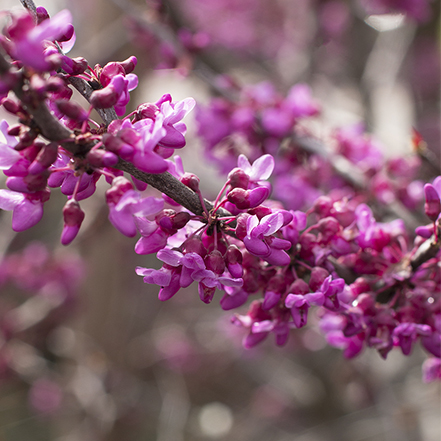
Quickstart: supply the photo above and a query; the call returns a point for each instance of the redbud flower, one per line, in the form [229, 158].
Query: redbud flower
[432, 207]
[73, 217]
[27, 209]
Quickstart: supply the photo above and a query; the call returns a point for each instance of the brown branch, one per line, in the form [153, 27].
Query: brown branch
[30, 6]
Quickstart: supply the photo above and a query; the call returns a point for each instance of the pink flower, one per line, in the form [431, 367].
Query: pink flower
[30, 40]
[27, 209]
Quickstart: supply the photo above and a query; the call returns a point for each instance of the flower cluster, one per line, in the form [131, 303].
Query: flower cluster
[145, 138]
[307, 240]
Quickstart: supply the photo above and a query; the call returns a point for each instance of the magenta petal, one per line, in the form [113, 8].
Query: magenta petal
[186, 277]
[170, 257]
[231, 302]
[69, 234]
[10, 199]
[256, 246]
[150, 162]
[8, 156]
[169, 291]
[173, 138]
[252, 340]
[262, 168]
[152, 243]
[271, 299]
[278, 257]
[26, 214]
[123, 221]
[257, 195]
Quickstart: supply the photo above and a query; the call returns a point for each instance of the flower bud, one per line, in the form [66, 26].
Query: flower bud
[233, 259]
[109, 71]
[14, 130]
[318, 276]
[244, 199]
[109, 96]
[195, 245]
[299, 286]
[74, 66]
[73, 217]
[68, 33]
[42, 14]
[120, 185]
[46, 157]
[238, 178]
[101, 158]
[215, 262]
[72, 110]
[241, 225]
[129, 64]
[118, 146]
[432, 207]
[191, 181]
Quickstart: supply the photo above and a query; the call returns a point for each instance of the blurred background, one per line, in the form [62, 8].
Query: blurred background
[89, 353]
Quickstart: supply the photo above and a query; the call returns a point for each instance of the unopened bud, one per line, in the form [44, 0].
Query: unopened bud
[68, 34]
[432, 207]
[318, 276]
[215, 262]
[238, 178]
[129, 64]
[109, 96]
[120, 185]
[241, 225]
[11, 106]
[73, 217]
[45, 158]
[191, 181]
[72, 110]
[74, 66]
[42, 14]
[101, 158]
[244, 199]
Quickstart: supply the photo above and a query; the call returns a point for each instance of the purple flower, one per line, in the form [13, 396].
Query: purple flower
[260, 241]
[151, 133]
[300, 304]
[173, 114]
[27, 209]
[431, 370]
[29, 41]
[260, 170]
[131, 204]
[406, 333]
[209, 281]
[8, 156]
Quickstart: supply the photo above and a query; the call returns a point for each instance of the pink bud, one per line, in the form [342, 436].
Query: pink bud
[73, 217]
[120, 185]
[191, 181]
[109, 71]
[215, 262]
[74, 66]
[318, 276]
[238, 178]
[101, 158]
[432, 207]
[109, 96]
[118, 146]
[241, 225]
[299, 286]
[129, 64]
[45, 158]
[72, 110]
